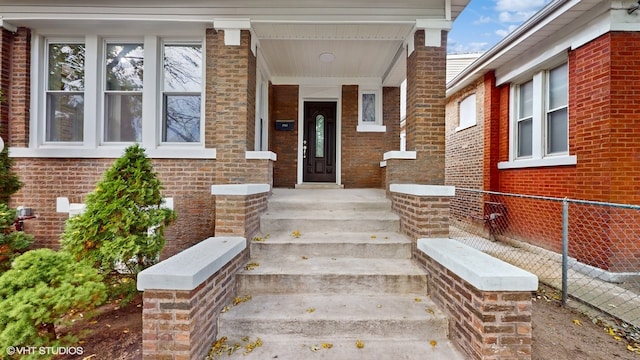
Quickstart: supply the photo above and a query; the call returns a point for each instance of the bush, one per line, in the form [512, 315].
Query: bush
[12, 243]
[123, 224]
[41, 288]
[9, 181]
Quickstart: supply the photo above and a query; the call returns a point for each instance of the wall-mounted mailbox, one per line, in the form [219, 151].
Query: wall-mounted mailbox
[285, 125]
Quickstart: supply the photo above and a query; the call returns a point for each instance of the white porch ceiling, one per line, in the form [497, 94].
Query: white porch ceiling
[366, 36]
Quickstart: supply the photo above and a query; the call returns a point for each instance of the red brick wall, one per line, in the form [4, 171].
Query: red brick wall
[6, 47]
[422, 216]
[284, 106]
[238, 215]
[604, 128]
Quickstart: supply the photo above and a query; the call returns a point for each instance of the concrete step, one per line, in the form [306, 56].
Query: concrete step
[334, 220]
[296, 348]
[331, 275]
[331, 244]
[325, 199]
[406, 316]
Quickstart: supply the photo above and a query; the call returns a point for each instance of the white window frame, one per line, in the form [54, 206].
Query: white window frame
[467, 112]
[42, 126]
[539, 157]
[161, 93]
[370, 126]
[93, 145]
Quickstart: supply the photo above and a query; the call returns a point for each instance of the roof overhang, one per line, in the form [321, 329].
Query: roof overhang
[368, 38]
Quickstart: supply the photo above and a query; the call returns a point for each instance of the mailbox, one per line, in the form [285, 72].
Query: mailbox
[285, 125]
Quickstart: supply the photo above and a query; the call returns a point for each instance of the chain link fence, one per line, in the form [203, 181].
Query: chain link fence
[589, 251]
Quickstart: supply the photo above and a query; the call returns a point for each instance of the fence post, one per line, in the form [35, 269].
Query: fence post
[565, 250]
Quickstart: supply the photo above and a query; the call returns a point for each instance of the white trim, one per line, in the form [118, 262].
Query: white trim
[371, 128]
[240, 189]
[544, 162]
[193, 266]
[261, 155]
[7, 26]
[423, 190]
[112, 152]
[383, 164]
[318, 92]
[460, 128]
[400, 155]
[483, 271]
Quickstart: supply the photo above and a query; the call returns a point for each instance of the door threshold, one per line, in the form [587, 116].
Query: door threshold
[319, 186]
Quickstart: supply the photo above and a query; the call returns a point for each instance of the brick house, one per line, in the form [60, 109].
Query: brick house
[299, 92]
[552, 110]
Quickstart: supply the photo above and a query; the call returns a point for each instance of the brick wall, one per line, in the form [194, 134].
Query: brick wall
[421, 216]
[187, 181]
[235, 89]
[604, 125]
[182, 325]
[426, 69]
[238, 215]
[19, 84]
[284, 106]
[488, 325]
[6, 46]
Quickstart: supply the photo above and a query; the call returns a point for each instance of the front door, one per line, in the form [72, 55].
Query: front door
[319, 143]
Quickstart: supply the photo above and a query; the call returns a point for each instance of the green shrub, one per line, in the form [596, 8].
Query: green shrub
[37, 292]
[12, 243]
[9, 181]
[123, 224]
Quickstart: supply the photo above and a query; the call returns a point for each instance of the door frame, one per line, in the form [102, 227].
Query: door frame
[324, 94]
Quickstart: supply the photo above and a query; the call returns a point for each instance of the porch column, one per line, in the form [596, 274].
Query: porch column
[426, 85]
[234, 83]
[15, 62]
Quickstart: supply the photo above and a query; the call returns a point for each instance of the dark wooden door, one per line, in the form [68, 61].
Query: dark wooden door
[319, 144]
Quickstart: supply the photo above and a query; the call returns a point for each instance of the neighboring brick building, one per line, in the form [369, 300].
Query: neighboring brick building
[554, 110]
[287, 95]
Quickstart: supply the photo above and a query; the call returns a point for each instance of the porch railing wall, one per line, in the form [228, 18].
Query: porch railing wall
[589, 251]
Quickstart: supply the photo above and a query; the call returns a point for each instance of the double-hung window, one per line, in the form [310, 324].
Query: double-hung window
[64, 92]
[181, 96]
[540, 120]
[100, 94]
[123, 75]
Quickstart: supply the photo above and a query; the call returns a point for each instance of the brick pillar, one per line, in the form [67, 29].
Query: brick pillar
[491, 133]
[235, 89]
[15, 75]
[426, 70]
[19, 98]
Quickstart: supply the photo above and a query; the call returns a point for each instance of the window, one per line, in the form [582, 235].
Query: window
[123, 73]
[182, 88]
[101, 94]
[540, 126]
[370, 111]
[467, 112]
[524, 125]
[64, 92]
[557, 124]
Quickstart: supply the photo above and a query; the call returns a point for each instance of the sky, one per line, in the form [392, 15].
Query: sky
[483, 23]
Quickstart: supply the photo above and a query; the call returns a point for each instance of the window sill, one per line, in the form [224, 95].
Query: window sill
[371, 128]
[111, 152]
[545, 162]
[463, 127]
